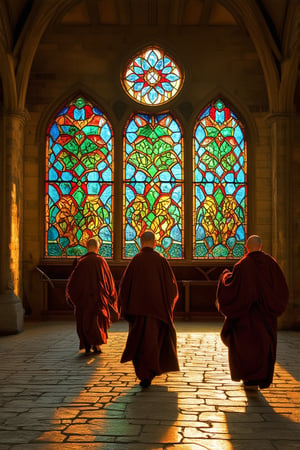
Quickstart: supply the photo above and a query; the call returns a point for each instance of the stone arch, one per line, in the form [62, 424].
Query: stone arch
[250, 15]
[291, 51]
[39, 19]
[76, 90]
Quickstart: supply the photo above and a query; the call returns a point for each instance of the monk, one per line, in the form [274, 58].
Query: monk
[251, 297]
[91, 290]
[147, 296]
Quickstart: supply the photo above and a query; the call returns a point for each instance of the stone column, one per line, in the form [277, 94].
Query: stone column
[11, 308]
[281, 142]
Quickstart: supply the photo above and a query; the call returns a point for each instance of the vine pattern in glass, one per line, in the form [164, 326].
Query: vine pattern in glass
[79, 183]
[220, 189]
[152, 77]
[153, 188]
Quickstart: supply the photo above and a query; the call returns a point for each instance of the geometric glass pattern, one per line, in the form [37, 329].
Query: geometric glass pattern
[220, 184]
[152, 78]
[79, 180]
[153, 183]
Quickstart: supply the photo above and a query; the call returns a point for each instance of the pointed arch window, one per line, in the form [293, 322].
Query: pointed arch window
[153, 183]
[220, 187]
[79, 180]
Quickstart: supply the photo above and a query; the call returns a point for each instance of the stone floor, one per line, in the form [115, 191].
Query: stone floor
[53, 397]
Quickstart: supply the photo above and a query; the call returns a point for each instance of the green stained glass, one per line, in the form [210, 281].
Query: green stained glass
[153, 184]
[79, 194]
[220, 187]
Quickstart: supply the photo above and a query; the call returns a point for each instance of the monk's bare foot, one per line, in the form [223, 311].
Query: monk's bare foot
[97, 349]
[145, 383]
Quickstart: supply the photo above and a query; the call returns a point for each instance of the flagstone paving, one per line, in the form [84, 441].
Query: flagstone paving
[54, 398]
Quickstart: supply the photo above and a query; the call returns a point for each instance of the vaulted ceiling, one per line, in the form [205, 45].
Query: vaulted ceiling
[273, 26]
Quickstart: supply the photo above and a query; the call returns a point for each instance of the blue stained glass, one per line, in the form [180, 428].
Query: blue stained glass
[130, 233]
[166, 187]
[107, 174]
[52, 234]
[165, 176]
[145, 66]
[56, 149]
[53, 174]
[106, 194]
[229, 189]
[219, 171]
[53, 194]
[229, 177]
[166, 242]
[237, 151]
[133, 77]
[166, 86]
[145, 90]
[105, 133]
[140, 176]
[240, 176]
[93, 176]
[159, 65]
[54, 132]
[132, 127]
[63, 111]
[93, 188]
[240, 233]
[105, 234]
[152, 58]
[138, 86]
[238, 134]
[177, 194]
[172, 77]
[79, 114]
[153, 95]
[130, 195]
[240, 195]
[65, 188]
[166, 70]
[220, 117]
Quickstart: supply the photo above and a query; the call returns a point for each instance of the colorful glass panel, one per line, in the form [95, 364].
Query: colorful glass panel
[79, 183]
[152, 77]
[220, 189]
[153, 188]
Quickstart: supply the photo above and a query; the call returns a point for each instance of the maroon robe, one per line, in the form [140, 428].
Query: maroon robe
[147, 296]
[91, 289]
[251, 297]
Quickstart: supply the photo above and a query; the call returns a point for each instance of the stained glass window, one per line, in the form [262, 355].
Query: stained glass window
[220, 158]
[153, 184]
[152, 77]
[79, 181]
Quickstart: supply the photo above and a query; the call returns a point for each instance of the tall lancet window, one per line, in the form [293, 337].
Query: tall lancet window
[79, 180]
[153, 183]
[220, 189]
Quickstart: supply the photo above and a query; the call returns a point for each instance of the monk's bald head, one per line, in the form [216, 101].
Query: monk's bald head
[148, 239]
[93, 245]
[254, 243]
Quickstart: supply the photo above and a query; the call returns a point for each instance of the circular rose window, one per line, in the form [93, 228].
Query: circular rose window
[152, 77]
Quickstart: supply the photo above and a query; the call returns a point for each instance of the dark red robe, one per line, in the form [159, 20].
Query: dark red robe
[91, 289]
[251, 297]
[147, 296]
